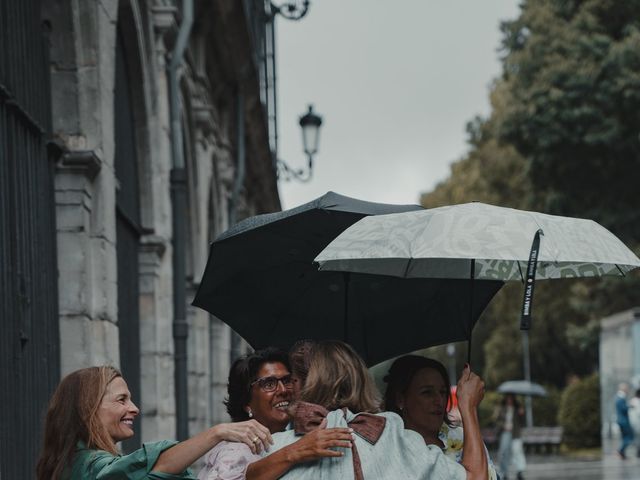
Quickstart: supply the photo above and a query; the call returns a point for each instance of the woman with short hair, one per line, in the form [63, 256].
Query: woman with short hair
[261, 387]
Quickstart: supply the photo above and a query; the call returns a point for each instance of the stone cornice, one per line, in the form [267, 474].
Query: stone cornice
[85, 162]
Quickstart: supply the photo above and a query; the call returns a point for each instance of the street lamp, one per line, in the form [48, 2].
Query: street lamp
[310, 124]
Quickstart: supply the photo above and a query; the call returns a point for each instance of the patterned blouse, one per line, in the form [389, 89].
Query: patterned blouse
[227, 461]
[452, 438]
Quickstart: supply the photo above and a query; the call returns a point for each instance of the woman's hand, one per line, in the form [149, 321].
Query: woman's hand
[470, 390]
[177, 458]
[318, 443]
[251, 432]
[313, 446]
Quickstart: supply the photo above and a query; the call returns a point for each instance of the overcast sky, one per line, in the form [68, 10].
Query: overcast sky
[395, 83]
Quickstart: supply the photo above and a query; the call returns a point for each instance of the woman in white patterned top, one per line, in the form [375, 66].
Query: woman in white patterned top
[419, 390]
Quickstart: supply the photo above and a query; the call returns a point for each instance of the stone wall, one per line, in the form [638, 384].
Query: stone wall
[83, 70]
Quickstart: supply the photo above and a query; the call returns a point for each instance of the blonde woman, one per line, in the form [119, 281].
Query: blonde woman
[92, 410]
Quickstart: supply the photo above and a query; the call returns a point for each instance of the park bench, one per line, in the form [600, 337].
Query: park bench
[542, 439]
[534, 439]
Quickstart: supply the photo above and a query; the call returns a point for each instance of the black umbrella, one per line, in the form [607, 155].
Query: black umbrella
[260, 279]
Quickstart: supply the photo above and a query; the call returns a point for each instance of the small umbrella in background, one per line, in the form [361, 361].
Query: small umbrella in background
[522, 387]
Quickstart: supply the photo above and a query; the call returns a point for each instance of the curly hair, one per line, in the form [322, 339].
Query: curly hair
[401, 375]
[244, 371]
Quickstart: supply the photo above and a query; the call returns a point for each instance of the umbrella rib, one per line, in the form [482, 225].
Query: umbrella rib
[620, 270]
[406, 268]
[520, 270]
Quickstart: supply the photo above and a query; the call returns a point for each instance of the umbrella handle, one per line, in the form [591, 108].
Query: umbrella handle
[527, 301]
[472, 275]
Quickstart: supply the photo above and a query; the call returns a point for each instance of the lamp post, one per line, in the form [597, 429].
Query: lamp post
[526, 362]
[310, 123]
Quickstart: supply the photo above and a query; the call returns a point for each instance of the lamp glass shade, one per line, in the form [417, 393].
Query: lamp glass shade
[310, 123]
[310, 139]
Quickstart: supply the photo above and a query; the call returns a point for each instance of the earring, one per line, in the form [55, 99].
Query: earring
[250, 413]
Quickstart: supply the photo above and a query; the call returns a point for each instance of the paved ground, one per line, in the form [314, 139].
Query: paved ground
[606, 466]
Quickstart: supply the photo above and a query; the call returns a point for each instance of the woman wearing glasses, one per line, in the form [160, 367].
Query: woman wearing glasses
[260, 387]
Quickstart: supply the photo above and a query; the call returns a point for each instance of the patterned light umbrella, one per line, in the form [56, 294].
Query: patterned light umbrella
[481, 242]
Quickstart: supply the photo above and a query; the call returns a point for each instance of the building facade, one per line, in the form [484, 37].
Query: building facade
[98, 258]
[619, 362]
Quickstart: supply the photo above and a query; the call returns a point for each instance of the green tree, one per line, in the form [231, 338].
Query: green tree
[562, 138]
[579, 413]
[572, 106]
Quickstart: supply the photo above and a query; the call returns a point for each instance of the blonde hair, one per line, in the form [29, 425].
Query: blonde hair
[73, 417]
[339, 378]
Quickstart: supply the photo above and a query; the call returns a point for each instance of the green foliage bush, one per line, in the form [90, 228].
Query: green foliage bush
[545, 409]
[487, 407]
[579, 413]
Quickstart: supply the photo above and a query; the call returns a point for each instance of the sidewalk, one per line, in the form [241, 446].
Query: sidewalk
[606, 466]
[557, 467]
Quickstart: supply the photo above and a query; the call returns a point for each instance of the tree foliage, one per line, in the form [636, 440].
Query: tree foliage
[579, 413]
[572, 106]
[562, 138]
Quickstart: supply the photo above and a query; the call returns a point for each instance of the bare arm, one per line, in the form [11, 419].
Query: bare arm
[470, 392]
[178, 458]
[312, 446]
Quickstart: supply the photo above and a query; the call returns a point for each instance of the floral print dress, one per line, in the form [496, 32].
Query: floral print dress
[452, 439]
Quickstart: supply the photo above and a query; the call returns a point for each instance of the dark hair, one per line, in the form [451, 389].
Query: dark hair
[516, 403]
[401, 375]
[244, 371]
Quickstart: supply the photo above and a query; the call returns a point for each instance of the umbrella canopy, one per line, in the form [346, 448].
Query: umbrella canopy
[479, 240]
[260, 279]
[522, 387]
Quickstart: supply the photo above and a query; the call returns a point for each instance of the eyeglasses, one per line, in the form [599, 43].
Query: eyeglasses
[270, 383]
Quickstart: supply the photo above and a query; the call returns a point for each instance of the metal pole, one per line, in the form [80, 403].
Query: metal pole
[527, 375]
[238, 183]
[238, 186]
[179, 212]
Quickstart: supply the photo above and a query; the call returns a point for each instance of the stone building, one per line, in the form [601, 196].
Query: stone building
[109, 197]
